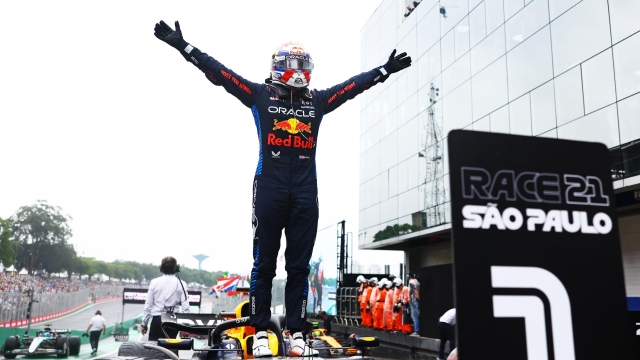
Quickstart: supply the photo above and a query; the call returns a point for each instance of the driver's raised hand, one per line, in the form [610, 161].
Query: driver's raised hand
[172, 37]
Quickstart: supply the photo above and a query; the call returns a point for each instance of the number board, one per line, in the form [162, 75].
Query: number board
[537, 262]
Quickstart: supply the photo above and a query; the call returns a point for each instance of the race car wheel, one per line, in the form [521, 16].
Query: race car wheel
[318, 345]
[74, 345]
[11, 343]
[136, 349]
[62, 344]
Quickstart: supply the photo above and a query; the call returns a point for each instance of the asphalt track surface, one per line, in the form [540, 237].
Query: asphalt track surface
[111, 311]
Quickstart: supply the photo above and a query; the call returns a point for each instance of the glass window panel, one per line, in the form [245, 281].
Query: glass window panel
[403, 86]
[363, 122]
[423, 70]
[384, 185]
[473, 4]
[429, 30]
[624, 18]
[389, 151]
[372, 215]
[529, 65]
[361, 223]
[425, 7]
[445, 156]
[408, 141]
[362, 144]
[411, 106]
[525, 23]
[477, 25]
[629, 118]
[368, 190]
[495, 15]
[511, 7]
[393, 181]
[568, 90]
[457, 73]
[375, 114]
[489, 88]
[557, 7]
[597, 82]
[550, 134]
[393, 94]
[600, 126]
[481, 125]
[423, 98]
[407, 25]
[414, 171]
[389, 209]
[520, 116]
[408, 44]
[384, 102]
[373, 162]
[462, 37]
[362, 173]
[375, 133]
[626, 60]
[422, 130]
[543, 109]
[580, 33]
[375, 190]
[500, 120]
[403, 181]
[434, 62]
[456, 11]
[457, 108]
[409, 202]
[393, 120]
[448, 49]
[412, 78]
[388, 24]
[487, 51]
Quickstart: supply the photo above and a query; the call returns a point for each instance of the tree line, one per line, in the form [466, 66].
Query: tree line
[36, 237]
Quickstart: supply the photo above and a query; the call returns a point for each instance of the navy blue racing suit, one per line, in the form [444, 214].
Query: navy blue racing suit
[285, 192]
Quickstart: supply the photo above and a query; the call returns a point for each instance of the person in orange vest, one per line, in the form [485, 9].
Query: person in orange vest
[405, 298]
[397, 305]
[363, 292]
[387, 315]
[373, 298]
[382, 295]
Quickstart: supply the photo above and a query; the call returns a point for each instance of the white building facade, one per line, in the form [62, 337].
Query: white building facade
[564, 69]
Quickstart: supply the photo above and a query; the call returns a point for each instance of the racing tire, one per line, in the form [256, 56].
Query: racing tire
[318, 345]
[11, 343]
[74, 345]
[62, 343]
[137, 349]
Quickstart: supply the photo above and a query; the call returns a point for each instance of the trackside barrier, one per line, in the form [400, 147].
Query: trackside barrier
[348, 309]
[112, 298]
[6, 332]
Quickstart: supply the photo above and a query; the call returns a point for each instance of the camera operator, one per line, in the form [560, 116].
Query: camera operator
[167, 294]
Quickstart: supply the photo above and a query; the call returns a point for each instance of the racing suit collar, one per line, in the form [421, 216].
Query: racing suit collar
[282, 90]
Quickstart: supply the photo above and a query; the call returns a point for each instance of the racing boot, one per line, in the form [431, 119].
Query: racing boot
[261, 345]
[298, 348]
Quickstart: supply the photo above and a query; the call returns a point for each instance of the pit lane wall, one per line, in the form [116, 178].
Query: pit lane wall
[6, 332]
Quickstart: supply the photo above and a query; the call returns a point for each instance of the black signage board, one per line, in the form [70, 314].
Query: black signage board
[537, 261]
[139, 296]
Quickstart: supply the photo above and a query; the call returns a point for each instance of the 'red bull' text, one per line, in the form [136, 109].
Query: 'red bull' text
[296, 142]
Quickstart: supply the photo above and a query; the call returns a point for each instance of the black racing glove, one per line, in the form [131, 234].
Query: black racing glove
[396, 63]
[165, 33]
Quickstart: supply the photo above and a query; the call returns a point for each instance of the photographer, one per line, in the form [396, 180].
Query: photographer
[96, 325]
[167, 294]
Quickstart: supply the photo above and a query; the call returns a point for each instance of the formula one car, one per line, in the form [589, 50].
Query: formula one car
[229, 336]
[327, 345]
[46, 342]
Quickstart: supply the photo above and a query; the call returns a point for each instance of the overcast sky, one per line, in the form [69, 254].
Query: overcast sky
[149, 158]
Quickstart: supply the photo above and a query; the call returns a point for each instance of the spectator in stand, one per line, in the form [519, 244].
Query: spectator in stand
[446, 325]
[96, 325]
[414, 303]
[409, 10]
[326, 321]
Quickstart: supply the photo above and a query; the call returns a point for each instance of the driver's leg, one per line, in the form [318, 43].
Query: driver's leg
[270, 210]
[300, 232]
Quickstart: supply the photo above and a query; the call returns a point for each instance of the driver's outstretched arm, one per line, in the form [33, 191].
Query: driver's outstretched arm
[217, 73]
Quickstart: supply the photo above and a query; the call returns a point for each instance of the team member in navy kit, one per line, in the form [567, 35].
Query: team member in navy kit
[287, 115]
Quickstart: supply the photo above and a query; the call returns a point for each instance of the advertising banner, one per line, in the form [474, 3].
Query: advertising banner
[537, 261]
[139, 296]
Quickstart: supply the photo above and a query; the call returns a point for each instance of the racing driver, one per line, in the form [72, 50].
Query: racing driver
[287, 115]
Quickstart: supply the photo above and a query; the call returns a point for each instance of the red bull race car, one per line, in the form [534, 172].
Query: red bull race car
[229, 336]
[46, 342]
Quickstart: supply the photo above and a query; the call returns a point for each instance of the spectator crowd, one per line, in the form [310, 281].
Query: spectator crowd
[16, 283]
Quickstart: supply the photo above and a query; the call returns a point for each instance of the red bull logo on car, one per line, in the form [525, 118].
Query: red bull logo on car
[296, 50]
[292, 126]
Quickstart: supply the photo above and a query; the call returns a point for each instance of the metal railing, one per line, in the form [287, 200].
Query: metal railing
[348, 309]
[13, 306]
